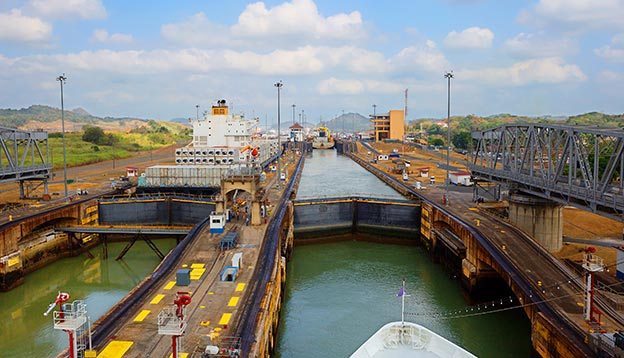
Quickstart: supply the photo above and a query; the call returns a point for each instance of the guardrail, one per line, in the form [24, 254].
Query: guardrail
[246, 328]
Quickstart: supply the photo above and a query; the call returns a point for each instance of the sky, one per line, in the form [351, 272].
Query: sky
[160, 59]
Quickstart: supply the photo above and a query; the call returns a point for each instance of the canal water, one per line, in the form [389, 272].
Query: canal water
[338, 294]
[25, 332]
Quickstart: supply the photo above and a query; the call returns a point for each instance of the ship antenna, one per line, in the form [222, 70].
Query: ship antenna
[403, 303]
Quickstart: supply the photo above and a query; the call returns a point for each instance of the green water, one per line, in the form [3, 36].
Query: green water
[25, 332]
[339, 294]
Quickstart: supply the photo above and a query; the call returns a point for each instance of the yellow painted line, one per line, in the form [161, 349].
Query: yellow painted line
[156, 300]
[204, 323]
[141, 316]
[233, 301]
[181, 355]
[185, 265]
[115, 349]
[225, 319]
[169, 285]
[198, 266]
[240, 287]
[197, 273]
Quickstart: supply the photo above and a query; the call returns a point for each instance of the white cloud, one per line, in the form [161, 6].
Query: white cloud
[618, 39]
[578, 15]
[197, 30]
[67, 9]
[550, 70]
[534, 45]
[608, 76]
[279, 62]
[610, 54]
[425, 58]
[15, 27]
[336, 86]
[102, 36]
[298, 17]
[470, 38]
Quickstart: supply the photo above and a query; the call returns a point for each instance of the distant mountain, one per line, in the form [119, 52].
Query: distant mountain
[180, 120]
[349, 122]
[81, 112]
[39, 117]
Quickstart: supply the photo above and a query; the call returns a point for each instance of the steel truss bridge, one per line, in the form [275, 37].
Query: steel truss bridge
[24, 156]
[581, 166]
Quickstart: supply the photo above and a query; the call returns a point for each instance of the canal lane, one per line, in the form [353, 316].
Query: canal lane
[338, 294]
[25, 332]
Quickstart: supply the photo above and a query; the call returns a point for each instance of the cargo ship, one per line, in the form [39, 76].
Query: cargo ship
[321, 138]
[408, 340]
[223, 144]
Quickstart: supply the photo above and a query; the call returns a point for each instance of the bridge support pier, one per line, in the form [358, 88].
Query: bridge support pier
[541, 218]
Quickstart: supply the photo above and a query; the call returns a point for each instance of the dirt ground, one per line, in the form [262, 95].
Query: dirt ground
[95, 178]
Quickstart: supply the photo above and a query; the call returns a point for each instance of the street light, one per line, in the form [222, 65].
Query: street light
[293, 106]
[279, 85]
[197, 108]
[62, 78]
[448, 76]
[374, 120]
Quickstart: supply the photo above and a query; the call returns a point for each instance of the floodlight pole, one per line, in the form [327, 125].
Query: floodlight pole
[279, 85]
[448, 76]
[62, 78]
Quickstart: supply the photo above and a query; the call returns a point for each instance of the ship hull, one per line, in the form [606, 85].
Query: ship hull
[322, 145]
[408, 340]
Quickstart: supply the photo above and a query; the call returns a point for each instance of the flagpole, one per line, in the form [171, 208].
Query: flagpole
[403, 304]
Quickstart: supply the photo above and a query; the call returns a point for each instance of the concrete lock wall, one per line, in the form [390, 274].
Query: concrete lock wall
[388, 215]
[150, 212]
[541, 218]
[323, 217]
[155, 212]
[184, 212]
[331, 218]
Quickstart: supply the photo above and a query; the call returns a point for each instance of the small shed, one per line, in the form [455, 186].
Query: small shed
[183, 277]
[217, 222]
[423, 172]
[460, 178]
[132, 172]
[229, 273]
[237, 260]
[228, 241]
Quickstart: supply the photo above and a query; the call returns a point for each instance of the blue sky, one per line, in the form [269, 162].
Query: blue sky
[158, 59]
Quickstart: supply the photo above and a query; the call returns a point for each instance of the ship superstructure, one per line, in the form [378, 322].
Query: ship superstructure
[220, 138]
[222, 144]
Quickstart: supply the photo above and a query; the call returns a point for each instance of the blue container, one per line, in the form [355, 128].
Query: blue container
[183, 277]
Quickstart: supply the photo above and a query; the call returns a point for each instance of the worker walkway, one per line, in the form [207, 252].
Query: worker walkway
[126, 229]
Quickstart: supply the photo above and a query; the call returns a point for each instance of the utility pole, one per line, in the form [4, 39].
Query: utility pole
[448, 76]
[62, 78]
[279, 85]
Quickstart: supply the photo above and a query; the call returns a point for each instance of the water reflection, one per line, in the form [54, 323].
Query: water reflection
[101, 283]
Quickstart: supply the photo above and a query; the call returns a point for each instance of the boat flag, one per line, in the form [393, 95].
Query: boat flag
[401, 292]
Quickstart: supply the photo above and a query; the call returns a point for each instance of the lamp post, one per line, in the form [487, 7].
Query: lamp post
[374, 120]
[279, 85]
[293, 106]
[62, 78]
[197, 108]
[448, 76]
